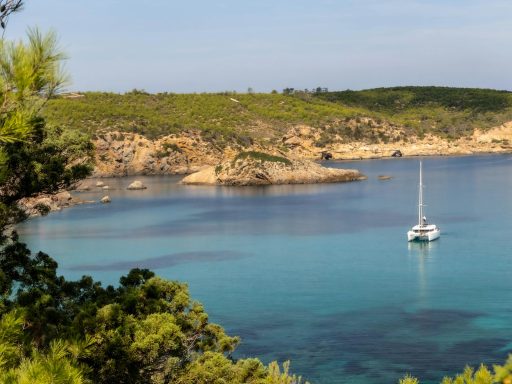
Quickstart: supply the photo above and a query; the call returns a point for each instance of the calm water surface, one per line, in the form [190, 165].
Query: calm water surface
[320, 274]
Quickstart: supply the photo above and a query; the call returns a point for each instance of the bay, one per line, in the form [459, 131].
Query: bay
[321, 275]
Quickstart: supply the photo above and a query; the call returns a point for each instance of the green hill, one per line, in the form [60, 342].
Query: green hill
[447, 112]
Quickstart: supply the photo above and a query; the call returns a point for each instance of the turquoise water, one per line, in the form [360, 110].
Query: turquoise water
[321, 274]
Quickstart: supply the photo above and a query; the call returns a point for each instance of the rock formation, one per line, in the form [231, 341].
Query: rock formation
[257, 168]
[122, 154]
[45, 203]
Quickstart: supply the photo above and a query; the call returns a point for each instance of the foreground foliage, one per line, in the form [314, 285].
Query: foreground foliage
[34, 158]
[148, 330]
[483, 375]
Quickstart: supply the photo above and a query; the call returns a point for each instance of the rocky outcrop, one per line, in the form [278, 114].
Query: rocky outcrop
[45, 203]
[257, 168]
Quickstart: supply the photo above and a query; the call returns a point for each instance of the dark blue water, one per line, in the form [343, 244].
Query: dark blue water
[321, 274]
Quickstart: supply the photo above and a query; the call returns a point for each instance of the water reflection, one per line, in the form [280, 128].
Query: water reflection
[422, 253]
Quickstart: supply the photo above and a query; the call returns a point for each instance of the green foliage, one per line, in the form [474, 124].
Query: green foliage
[260, 156]
[228, 118]
[502, 374]
[57, 365]
[48, 161]
[408, 379]
[443, 111]
[31, 74]
[34, 158]
[276, 376]
[469, 376]
[400, 98]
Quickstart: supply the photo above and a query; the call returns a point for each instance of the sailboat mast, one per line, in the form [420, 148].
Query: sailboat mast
[420, 199]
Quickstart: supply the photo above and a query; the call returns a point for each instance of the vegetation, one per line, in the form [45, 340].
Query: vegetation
[239, 118]
[34, 157]
[444, 111]
[261, 156]
[501, 374]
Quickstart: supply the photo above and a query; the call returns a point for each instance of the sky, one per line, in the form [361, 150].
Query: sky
[225, 45]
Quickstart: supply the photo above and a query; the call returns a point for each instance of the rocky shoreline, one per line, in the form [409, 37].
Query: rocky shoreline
[120, 154]
[127, 154]
[45, 203]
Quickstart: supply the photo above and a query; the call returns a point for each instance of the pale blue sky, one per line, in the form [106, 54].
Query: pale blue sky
[207, 45]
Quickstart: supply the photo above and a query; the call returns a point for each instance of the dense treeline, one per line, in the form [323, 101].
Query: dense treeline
[397, 99]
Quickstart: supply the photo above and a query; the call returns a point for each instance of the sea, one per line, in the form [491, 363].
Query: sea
[321, 275]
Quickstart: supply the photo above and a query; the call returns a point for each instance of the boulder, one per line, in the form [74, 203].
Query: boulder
[137, 184]
[83, 187]
[105, 199]
[100, 183]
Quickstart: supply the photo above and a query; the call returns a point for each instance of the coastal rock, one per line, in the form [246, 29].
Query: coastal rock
[45, 203]
[126, 154]
[137, 184]
[105, 199]
[384, 177]
[100, 184]
[258, 168]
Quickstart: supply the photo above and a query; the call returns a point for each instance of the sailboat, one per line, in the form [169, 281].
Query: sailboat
[423, 231]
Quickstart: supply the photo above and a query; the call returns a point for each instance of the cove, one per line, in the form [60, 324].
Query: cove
[320, 274]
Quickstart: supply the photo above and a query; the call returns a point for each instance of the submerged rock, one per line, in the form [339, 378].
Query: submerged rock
[384, 177]
[137, 184]
[258, 168]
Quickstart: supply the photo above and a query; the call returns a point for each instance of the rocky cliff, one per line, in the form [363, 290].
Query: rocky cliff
[123, 154]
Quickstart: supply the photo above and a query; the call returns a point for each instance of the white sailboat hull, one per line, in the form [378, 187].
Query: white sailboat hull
[426, 235]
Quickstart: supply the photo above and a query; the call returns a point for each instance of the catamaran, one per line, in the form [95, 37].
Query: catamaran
[423, 231]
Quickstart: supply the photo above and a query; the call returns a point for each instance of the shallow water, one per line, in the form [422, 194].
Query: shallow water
[320, 274]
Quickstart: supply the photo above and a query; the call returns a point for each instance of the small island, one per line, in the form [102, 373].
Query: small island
[259, 168]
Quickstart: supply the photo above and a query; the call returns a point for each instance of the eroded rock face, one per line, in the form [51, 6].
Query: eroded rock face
[264, 169]
[125, 154]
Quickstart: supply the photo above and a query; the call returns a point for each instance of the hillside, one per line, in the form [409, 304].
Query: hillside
[450, 112]
[139, 132]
